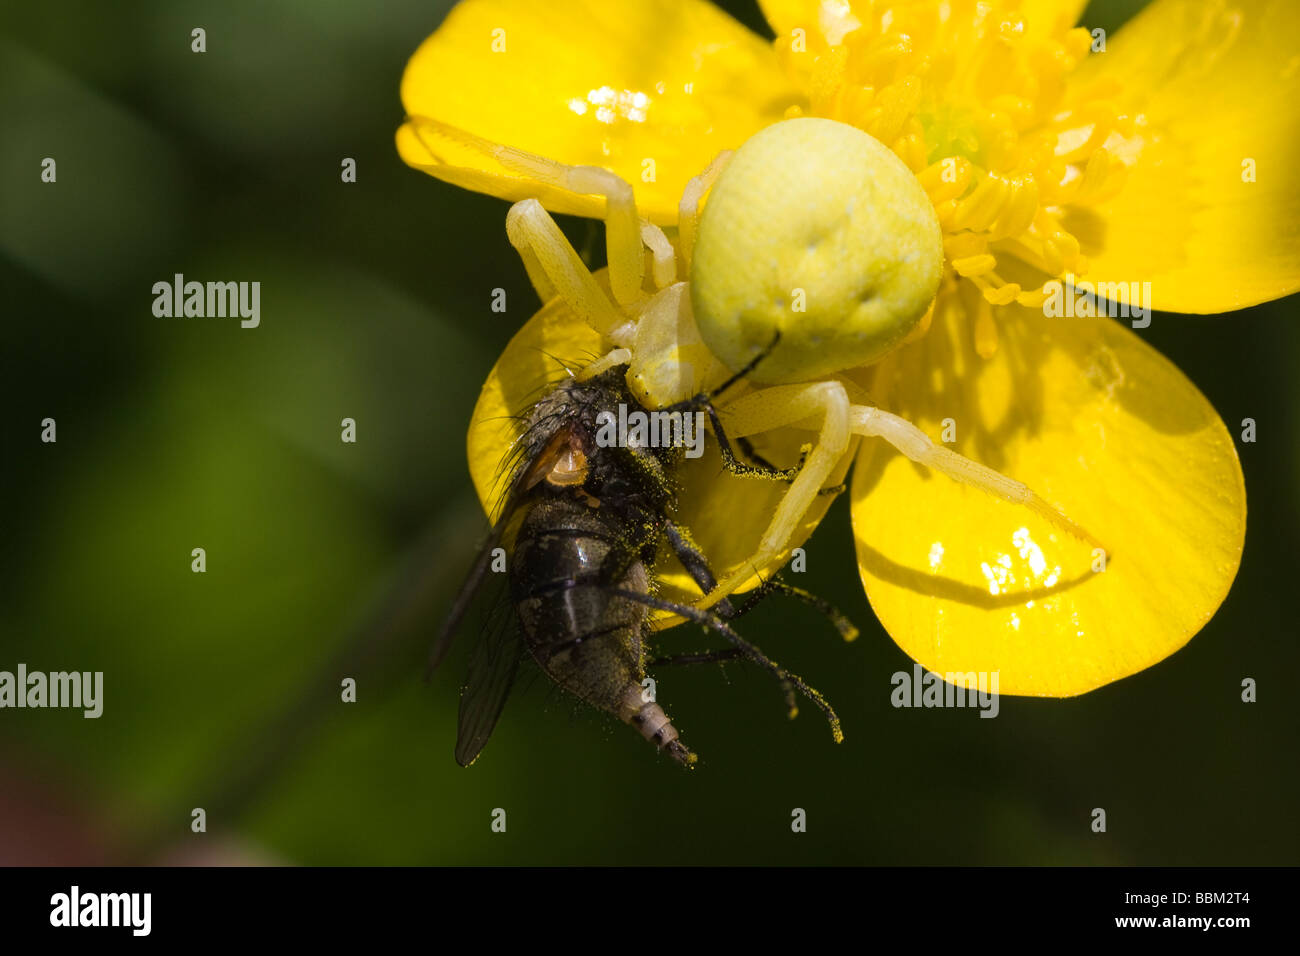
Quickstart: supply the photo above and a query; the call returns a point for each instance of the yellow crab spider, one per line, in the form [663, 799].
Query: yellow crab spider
[814, 235]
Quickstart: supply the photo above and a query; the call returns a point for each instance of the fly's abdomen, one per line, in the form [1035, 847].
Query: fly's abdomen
[587, 639]
[649, 718]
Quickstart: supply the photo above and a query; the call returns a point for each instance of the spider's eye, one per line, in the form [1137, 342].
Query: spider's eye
[819, 231]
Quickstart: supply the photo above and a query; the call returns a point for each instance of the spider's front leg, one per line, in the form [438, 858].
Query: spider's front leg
[777, 407]
[626, 235]
[554, 267]
[784, 405]
[918, 446]
[688, 209]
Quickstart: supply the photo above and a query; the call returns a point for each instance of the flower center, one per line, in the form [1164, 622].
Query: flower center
[975, 103]
[950, 130]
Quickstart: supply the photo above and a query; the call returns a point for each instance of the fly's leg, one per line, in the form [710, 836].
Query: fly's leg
[711, 621]
[747, 449]
[703, 657]
[842, 624]
[757, 467]
[696, 565]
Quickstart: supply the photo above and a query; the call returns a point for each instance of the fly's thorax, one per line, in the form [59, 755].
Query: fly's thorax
[633, 482]
[568, 443]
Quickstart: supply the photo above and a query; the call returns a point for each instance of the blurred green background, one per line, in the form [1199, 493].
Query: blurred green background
[222, 689]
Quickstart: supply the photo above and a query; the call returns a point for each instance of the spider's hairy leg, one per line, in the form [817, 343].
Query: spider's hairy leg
[555, 268]
[623, 231]
[772, 408]
[688, 210]
[663, 260]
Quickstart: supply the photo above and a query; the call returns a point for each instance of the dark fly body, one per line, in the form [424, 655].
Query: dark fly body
[582, 523]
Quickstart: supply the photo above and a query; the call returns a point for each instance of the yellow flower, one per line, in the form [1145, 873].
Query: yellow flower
[1163, 160]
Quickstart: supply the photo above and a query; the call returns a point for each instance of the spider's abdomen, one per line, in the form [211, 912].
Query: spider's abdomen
[817, 231]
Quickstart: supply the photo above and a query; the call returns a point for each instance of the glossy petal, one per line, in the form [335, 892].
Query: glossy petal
[817, 19]
[590, 82]
[1103, 427]
[1214, 84]
[726, 515]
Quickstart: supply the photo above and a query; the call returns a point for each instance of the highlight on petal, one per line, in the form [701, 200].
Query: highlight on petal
[1209, 210]
[726, 515]
[651, 89]
[822, 23]
[1102, 426]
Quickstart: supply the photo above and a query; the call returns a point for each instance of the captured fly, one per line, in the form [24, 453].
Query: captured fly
[581, 524]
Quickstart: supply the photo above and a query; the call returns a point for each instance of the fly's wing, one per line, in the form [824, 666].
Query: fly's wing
[495, 659]
[469, 591]
[519, 465]
[484, 606]
[492, 668]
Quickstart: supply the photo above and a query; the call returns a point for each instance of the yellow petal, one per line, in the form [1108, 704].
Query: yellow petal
[819, 18]
[533, 360]
[820, 21]
[726, 515]
[1214, 85]
[1103, 427]
[651, 89]
[1051, 16]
